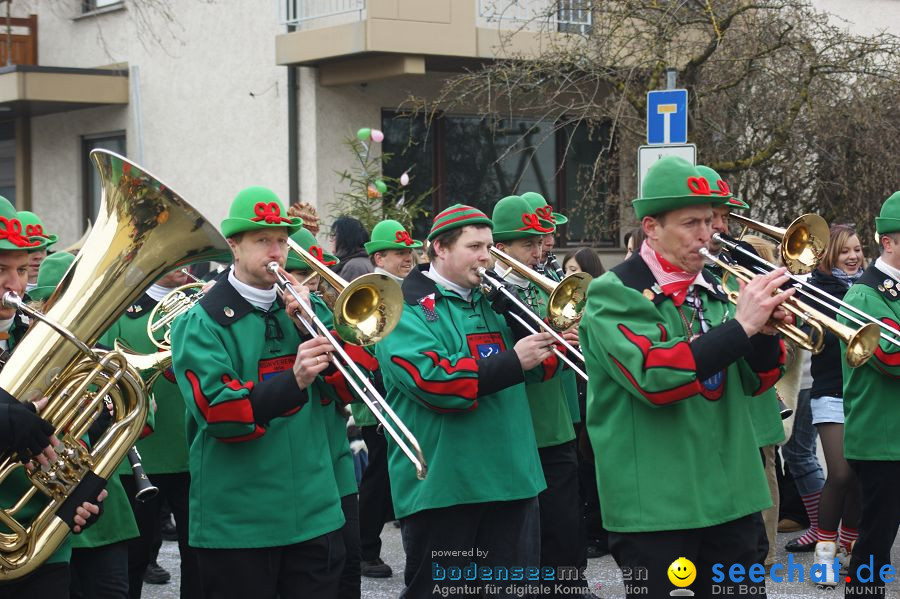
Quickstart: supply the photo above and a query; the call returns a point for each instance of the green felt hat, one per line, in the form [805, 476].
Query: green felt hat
[390, 235]
[51, 272]
[673, 183]
[719, 186]
[888, 221]
[257, 208]
[12, 232]
[457, 215]
[34, 230]
[308, 242]
[543, 209]
[514, 218]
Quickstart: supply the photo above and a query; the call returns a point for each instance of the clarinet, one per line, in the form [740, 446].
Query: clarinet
[144, 488]
[553, 263]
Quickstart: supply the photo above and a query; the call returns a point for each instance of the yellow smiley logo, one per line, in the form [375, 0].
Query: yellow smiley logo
[682, 572]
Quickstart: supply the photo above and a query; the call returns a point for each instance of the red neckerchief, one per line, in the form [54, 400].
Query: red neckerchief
[673, 281]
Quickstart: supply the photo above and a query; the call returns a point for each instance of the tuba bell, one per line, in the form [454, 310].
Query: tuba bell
[143, 230]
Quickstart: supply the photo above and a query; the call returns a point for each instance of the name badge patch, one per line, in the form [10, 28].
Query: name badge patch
[272, 366]
[485, 345]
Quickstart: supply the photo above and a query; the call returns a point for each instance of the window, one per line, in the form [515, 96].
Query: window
[8, 161]
[92, 5]
[478, 160]
[574, 16]
[114, 142]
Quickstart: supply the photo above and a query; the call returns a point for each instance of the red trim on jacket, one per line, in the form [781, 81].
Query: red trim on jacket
[679, 356]
[667, 396]
[462, 365]
[238, 410]
[466, 388]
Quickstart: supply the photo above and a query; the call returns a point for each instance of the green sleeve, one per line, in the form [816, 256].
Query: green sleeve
[214, 394]
[886, 359]
[440, 378]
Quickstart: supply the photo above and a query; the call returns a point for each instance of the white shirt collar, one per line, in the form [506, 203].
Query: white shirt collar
[511, 276]
[261, 298]
[435, 276]
[157, 292]
[887, 269]
[380, 271]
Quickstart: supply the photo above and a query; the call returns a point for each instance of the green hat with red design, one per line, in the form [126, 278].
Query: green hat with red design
[457, 215]
[719, 187]
[12, 232]
[257, 208]
[51, 272]
[673, 183]
[888, 221]
[390, 235]
[305, 239]
[543, 209]
[514, 218]
[34, 230]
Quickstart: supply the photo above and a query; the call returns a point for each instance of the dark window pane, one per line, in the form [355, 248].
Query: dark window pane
[8, 161]
[592, 220]
[486, 159]
[113, 142]
[411, 151]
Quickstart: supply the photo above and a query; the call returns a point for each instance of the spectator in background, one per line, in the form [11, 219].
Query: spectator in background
[349, 237]
[633, 240]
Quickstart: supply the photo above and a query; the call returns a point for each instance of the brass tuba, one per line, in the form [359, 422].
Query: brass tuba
[143, 230]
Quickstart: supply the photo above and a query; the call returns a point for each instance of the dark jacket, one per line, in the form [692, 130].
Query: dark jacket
[826, 366]
[354, 265]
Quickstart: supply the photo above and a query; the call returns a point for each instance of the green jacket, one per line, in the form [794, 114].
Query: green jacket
[261, 467]
[669, 419]
[165, 451]
[569, 378]
[548, 399]
[335, 423]
[452, 378]
[871, 391]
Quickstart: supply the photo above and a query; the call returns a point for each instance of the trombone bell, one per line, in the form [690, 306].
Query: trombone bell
[802, 244]
[368, 309]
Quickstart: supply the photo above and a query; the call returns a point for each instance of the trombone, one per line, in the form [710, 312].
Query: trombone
[564, 308]
[861, 343]
[365, 312]
[810, 292]
[802, 243]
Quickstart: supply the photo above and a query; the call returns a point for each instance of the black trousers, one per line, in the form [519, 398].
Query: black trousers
[50, 581]
[492, 534]
[878, 522]
[300, 571]
[563, 540]
[100, 572]
[174, 489]
[350, 583]
[375, 506]
[645, 557]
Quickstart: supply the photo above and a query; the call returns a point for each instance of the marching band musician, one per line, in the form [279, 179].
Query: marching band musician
[391, 251]
[518, 232]
[33, 227]
[872, 418]
[21, 429]
[672, 365]
[454, 374]
[164, 453]
[349, 586]
[265, 507]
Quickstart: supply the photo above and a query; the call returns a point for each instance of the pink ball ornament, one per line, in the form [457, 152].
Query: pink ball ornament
[377, 136]
[404, 179]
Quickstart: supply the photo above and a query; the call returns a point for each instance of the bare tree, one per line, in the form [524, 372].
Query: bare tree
[778, 94]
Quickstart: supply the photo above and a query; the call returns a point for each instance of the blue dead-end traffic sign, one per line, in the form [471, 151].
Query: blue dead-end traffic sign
[667, 116]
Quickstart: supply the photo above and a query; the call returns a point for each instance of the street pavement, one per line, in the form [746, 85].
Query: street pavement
[604, 576]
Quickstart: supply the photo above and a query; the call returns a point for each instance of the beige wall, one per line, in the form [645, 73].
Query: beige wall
[203, 133]
[864, 17]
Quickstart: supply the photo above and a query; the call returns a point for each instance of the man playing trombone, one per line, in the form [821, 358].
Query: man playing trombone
[673, 366]
[265, 512]
[454, 374]
[519, 233]
[872, 415]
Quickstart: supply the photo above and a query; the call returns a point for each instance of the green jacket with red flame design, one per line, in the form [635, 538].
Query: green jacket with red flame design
[452, 377]
[667, 411]
[262, 471]
[872, 391]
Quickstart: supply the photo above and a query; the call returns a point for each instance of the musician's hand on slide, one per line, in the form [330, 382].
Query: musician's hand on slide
[313, 357]
[534, 349]
[759, 303]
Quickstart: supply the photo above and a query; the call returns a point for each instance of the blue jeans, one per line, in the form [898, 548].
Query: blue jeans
[800, 450]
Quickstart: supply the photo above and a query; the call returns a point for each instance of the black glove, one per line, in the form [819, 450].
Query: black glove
[30, 433]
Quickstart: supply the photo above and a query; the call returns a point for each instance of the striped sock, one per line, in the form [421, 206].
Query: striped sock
[828, 535]
[848, 535]
[811, 503]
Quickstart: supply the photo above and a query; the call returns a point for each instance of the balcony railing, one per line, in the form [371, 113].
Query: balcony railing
[569, 16]
[307, 13]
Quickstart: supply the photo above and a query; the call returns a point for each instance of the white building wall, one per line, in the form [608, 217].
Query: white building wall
[864, 17]
[213, 103]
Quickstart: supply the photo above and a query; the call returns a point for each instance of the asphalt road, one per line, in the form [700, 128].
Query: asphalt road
[605, 578]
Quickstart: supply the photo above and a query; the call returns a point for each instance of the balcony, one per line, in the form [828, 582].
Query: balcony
[362, 40]
[28, 89]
